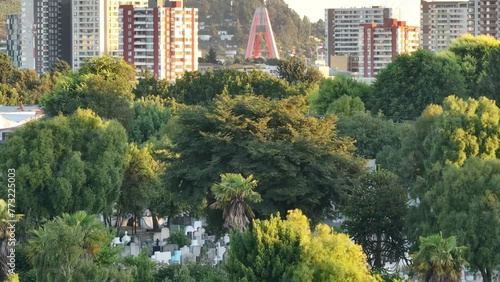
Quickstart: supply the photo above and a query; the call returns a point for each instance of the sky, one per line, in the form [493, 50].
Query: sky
[405, 10]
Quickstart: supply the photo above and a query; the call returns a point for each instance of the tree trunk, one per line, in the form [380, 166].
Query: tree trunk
[486, 274]
[156, 226]
[378, 253]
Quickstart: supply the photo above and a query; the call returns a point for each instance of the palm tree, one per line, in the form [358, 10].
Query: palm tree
[94, 235]
[439, 259]
[231, 195]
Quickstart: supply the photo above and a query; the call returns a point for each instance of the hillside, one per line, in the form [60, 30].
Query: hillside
[292, 33]
[7, 7]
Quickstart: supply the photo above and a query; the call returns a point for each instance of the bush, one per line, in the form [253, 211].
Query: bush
[190, 272]
[179, 239]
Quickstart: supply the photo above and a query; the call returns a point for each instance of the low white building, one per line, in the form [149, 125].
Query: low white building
[13, 117]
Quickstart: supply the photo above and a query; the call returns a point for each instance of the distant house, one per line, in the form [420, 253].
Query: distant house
[203, 67]
[223, 35]
[13, 117]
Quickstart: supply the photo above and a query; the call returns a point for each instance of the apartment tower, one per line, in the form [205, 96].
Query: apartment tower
[342, 28]
[484, 17]
[380, 44]
[162, 40]
[441, 22]
[14, 39]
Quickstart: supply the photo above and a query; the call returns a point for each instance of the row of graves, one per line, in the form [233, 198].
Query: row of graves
[203, 248]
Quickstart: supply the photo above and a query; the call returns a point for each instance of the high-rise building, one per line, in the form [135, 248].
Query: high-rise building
[113, 22]
[14, 39]
[484, 17]
[89, 30]
[342, 28]
[380, 44]
[27, 35]
[162, 40]
[441, 22]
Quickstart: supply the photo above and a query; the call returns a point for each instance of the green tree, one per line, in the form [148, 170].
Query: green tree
[299, 159]
[371, 133]
[140, 181]
[66, 164]
[143, 266]
[472, 53]
[346, 106]
[411, 82]
[99, 83]
[375, 212]
[211, 56]
[148, 85]
[465, 203]
[439, 259]
[295, 70]
[488, 81]
[150, 114]
[231, 195]
[5, 235]
[58, 248]
[331, 90]
[287, 250]
[59, 66]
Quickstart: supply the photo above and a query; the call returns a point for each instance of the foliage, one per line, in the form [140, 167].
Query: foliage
[465, 203]
[59, 66]
[346, 106]
[411, 82]
[299, 160]
[58, 248]
[211, 56]
[371, 133]
[178, 238]
[99, 83]
[6, 235]
[150, 114]
[21, 85]
[281, 250]
[472, 53]
[439, 259]
[231, 195]
[66, 164]
[199, 89]
[488, 81]
[190, 272]
[295, 70]
[331, 90]
[140, 181]
[269, 251]
[375, 212]
[143, 266]
[148, 85]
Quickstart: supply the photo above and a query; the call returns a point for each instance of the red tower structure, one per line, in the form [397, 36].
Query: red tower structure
[261, 25]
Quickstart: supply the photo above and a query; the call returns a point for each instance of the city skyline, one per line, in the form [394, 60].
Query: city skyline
[406, 10]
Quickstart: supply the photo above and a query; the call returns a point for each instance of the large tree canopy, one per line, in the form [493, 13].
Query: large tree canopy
[66, 164]
[299, 160]
[466, 204]
[411, 82]
[102, 84]
[287, 250]
[473, 54]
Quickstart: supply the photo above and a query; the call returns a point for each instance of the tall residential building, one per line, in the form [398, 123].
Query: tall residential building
[342, 28]
[163, 40]
[113, 22]
[52, 30]
[14, 39]
[484, 17]
[380, 44]
[89, 30]
[27, 34]
[441, 22]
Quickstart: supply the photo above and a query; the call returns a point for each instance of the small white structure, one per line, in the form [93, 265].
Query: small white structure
[162, 257]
